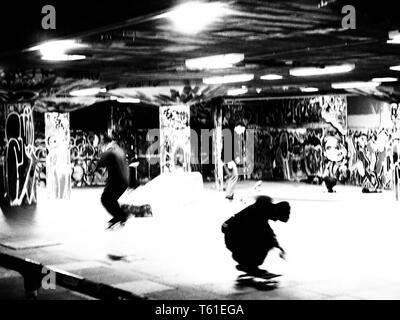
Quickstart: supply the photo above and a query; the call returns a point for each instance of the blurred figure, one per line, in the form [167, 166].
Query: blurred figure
[249, 236]
[329, 178]
[114, 159]
[232, 175]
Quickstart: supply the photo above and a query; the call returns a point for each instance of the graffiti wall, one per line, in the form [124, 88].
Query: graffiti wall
[58, 160]
[175, 150]
[86, 149]
[19, 154]
[295, 139]
[298, 154]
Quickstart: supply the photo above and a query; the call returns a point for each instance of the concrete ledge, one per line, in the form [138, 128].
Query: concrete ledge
[33, 273]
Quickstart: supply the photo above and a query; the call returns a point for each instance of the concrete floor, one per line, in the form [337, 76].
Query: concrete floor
[339, 246]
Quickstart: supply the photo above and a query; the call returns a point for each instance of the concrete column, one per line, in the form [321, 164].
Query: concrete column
[217, 147]
[58, 160]
[19, 155]
[175, 148]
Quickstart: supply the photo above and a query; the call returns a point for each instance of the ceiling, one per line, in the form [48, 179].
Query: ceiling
[135, 51]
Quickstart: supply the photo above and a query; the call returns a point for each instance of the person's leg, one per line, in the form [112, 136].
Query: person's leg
[250, 259]
[109, 199]
[230, 187]
[330, 183]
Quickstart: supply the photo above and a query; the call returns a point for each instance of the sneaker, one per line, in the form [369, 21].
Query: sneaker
[257, 272]
[114, 222]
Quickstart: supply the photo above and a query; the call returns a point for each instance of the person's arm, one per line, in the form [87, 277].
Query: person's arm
[226, 171]
[282, 254]
[276, 244]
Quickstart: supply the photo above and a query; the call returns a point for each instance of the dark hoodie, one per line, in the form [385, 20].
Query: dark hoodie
[250, 228]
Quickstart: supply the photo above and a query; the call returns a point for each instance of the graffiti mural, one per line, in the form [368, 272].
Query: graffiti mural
[175, 148]
[58, 160]
[295, 154]
[370, 158]
[84, 152]
[20, 163]
[86, 149]
[334, 111]
[294, 137]
[41, 155]
[335, 156]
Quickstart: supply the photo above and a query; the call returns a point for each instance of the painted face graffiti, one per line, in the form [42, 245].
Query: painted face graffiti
[334, 149]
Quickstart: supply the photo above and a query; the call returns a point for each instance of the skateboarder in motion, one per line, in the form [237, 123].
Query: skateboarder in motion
[249, 236]
[232, 175]
[114, 159]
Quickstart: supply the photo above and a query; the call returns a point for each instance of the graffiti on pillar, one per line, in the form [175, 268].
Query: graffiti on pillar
[20, 163]
[41, 155]
[174, 138]
[370, 158]
[86, 149]
[58, 161]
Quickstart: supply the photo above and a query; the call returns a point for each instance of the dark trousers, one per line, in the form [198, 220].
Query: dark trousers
[109, 199]
[246, 254]
[330, 183]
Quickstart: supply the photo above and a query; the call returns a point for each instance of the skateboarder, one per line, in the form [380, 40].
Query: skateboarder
[231, 174]
[114, 159]
[249, 236]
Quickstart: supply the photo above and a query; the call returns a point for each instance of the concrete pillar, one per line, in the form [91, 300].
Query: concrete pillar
[217, 147]
[175, 151]
[19, 154]
[58, 160]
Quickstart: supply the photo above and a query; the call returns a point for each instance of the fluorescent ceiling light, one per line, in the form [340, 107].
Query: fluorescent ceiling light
[313, 71]
[229, 79]
[309, 89]
[58, 46]
[215, 62]
[395, 68]
[237, 92]
[386, 79]
[354, 85]
[194, 16]
[271, 77]
[128, 100]
[63, 57]
[57, 50]
[87, 92]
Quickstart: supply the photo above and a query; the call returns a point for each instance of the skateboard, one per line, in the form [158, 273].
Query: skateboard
[265, 282]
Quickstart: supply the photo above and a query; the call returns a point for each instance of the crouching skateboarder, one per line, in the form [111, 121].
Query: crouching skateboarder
[249, 237]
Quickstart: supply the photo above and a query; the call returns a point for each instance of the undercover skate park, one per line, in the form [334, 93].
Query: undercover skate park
[294, 89]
